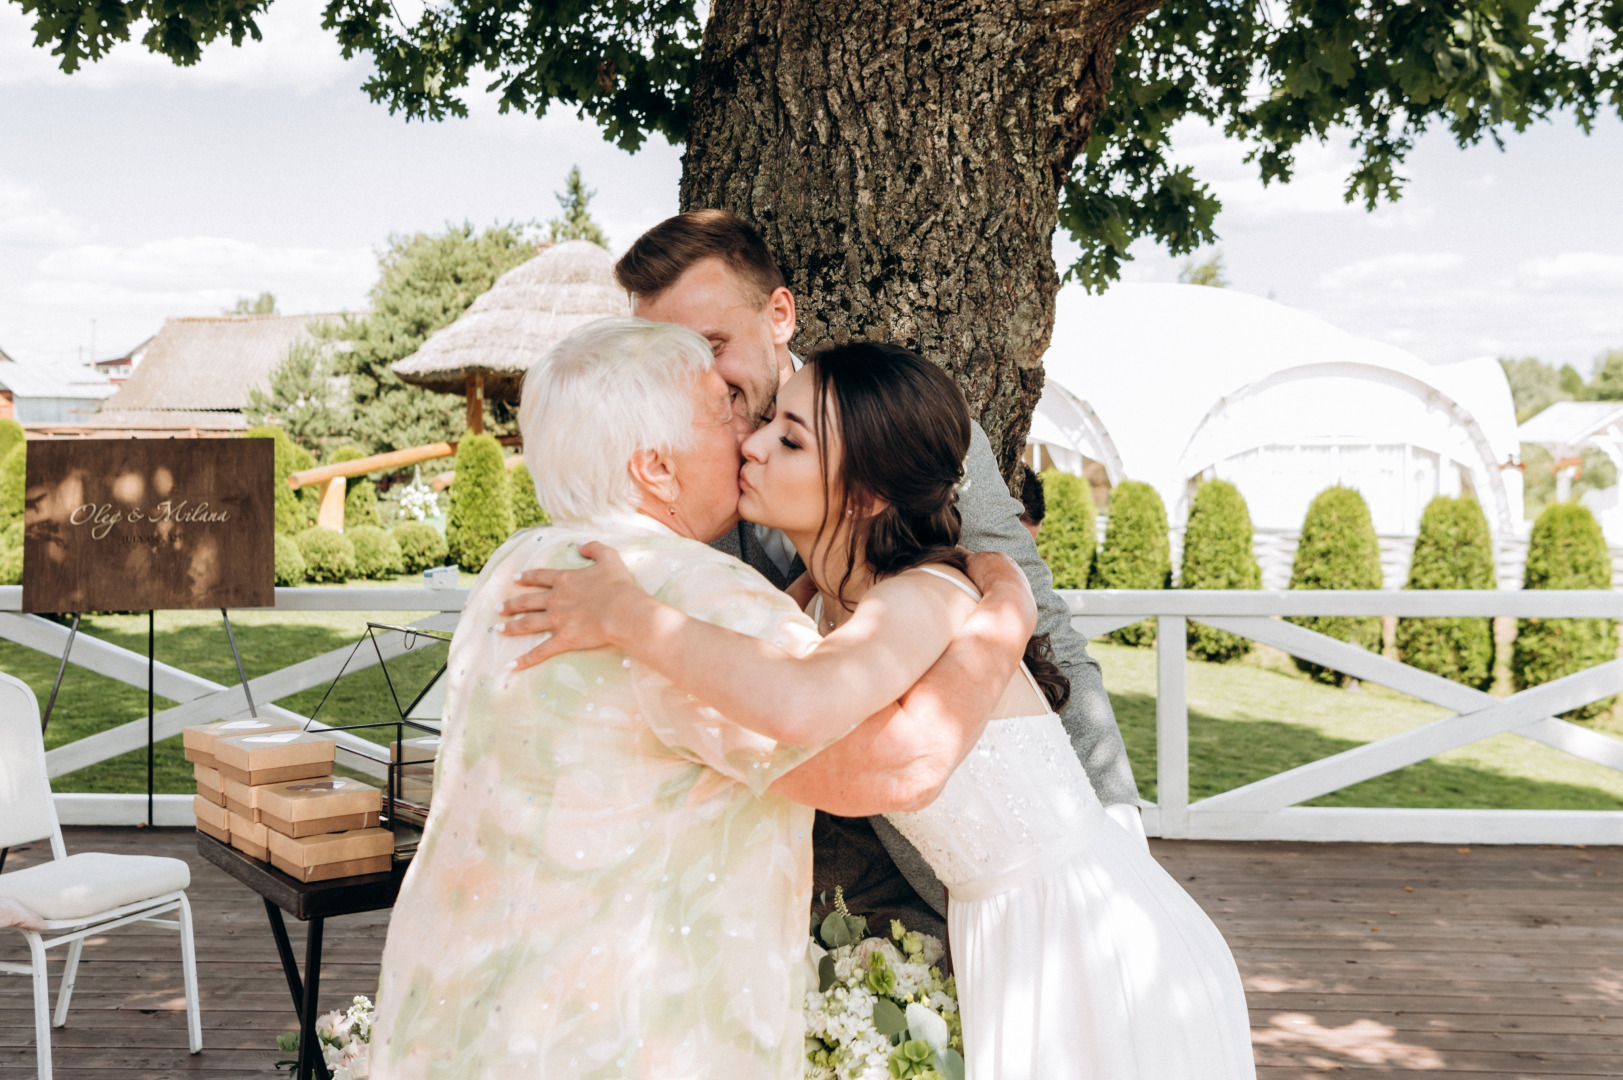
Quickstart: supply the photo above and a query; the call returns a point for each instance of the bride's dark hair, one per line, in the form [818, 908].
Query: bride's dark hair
[904, 430]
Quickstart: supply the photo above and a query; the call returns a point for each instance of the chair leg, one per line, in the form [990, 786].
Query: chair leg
[42, 1005]
[70, 972]
[188, 960]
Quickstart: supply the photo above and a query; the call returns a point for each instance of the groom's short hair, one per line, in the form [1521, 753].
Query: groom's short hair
[666, 252]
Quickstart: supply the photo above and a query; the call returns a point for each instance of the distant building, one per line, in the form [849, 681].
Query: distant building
[35, 394]
[120, 368]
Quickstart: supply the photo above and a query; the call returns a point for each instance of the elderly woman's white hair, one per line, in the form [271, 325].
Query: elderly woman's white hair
[609, 389]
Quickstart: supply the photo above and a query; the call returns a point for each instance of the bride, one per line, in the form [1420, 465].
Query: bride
[1076, 954]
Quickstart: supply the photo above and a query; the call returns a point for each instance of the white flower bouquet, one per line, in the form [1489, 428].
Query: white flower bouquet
[881, 1009]
[345, 1039]
[417, 499]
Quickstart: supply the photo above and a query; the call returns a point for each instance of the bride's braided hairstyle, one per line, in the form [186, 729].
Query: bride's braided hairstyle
[904, 429]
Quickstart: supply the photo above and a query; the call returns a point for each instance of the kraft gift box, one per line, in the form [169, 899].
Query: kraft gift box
[199, 741]
[211, 819]
[248, 837]
[209, 784]
[416, 760]
[333, 855]
[332, 804]
[271, 759]
[241, 799]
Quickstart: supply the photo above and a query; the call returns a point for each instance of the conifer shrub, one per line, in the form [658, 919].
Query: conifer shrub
[481, 516]
[421, 546]
[361, 505]
[1217, 555]
[376, 553]
[329, 557]
[1338, 550]
[13, 484]
[11, 434]
[1566, 551]
[1069, 532]
[289, 561]
[528, 512]
[11, 554]
[1135, 554]
[1453, 551]
[294, 509]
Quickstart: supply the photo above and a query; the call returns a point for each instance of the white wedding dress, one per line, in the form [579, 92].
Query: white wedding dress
[1077, 956]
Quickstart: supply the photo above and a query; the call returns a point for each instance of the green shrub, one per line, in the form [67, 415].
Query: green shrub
[481, 517]
[328, 555]
[1217, 555]
[289, 561]
[1453, 551]
[295, 510]
[1338, 550]
[361, 505]
[11, 554]
[376, 553]
[1069, 531]
[421, 546]
[1566, 551]
[528, 512]
[13, 484]
[1135, 554]
[11, 434]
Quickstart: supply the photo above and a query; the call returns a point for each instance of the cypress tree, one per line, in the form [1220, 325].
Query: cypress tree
[1069, 531]
[289, 561]
[1566, 551]
[11, 434]
[360, 494]
[481, 516]
[1453, 551]
[13, 484]
[528, 512]
[1338, 550]
[1217, 555]
[294, 511]
[1135, 554]
[11, 554]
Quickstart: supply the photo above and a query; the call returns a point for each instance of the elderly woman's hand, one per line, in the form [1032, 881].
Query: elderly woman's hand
[575, 609]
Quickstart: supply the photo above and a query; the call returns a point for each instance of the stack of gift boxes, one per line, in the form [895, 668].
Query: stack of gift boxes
[267, 788]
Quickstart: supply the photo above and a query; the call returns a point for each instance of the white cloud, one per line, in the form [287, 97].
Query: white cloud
[1575, 270]
[1317, 186]
[27, 221]
[1398, 271]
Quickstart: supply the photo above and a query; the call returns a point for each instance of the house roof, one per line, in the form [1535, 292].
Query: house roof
[38, 381]
[526, 312]
[210, 362]
[1570, 424]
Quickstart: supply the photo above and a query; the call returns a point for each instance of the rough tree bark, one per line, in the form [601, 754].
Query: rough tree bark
[904, 161]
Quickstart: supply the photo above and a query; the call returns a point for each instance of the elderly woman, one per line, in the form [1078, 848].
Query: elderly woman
[606, 887]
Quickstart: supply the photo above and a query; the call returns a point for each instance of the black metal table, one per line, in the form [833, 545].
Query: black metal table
[312, 902]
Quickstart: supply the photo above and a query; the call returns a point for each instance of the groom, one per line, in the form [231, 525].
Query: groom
[711, 271]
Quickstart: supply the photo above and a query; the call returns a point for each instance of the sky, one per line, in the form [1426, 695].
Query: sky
[134, 191]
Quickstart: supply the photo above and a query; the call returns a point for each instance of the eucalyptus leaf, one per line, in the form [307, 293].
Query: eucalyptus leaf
[836, 931]
[825, 974]
[950, 1064]
[888, 1019]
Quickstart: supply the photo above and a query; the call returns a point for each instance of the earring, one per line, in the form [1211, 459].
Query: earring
[673, 510]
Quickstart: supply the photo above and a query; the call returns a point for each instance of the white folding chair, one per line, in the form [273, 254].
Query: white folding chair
[76, 895]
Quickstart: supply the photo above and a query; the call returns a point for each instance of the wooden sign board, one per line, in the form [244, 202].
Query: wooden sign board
[138, 524]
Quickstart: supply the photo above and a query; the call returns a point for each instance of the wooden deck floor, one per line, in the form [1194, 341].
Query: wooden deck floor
[1390, 961]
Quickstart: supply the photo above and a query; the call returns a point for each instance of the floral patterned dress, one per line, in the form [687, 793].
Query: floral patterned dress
[605, 887]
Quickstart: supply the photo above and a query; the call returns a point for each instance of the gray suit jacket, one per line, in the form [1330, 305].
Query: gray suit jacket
[847, 850]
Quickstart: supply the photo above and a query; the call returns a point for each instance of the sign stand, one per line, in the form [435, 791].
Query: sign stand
[73, 632]
[242, 676]
[151, 668]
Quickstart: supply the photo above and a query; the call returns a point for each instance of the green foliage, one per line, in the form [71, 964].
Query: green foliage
[377, 555]
[1338, 550]
[1607, 383]
[11, 434]
[1566, 551]
[425, 282]
[13, 484]
[1206, 272]
[1136, 553]
[421, 546]
[11, 554]
[263, 304]
[1070, 529]
[290, 568]
[360, 494]
[295, 510]
[481, 516]
[1535, 386]
[527, 509]
[329, 557]
[305, 398]
[1217, 555]
[1453, 551]
[1595, 473]
[576, 223]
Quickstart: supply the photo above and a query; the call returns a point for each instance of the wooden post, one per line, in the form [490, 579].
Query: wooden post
[1171, 726]
[476, 402]
[330, 515]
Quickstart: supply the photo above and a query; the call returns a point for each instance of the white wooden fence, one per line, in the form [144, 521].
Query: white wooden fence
[1267, 809]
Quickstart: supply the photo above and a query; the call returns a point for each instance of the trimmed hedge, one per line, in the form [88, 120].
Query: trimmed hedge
[421, 546]
[361, 505]
[1566, 551]
[1069, 532]
[289, 561]
[295, 510]
[481, 517]
[11, 434]
[11, 555]
[329, 557]
[376, 553]
[1453, 551]
[1338, 550]
[1217, 555]
[1135, 554]
[13, 484]
[528, 513]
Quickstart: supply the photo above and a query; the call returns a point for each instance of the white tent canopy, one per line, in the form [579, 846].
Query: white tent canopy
[1171, 383]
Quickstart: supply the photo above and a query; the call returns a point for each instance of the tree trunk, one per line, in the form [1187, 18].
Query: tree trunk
[904, 162]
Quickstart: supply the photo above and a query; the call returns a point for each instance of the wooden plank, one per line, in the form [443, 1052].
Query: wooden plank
[1171, 727]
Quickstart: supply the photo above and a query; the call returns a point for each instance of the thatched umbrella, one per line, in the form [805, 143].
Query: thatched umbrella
[529, 309]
